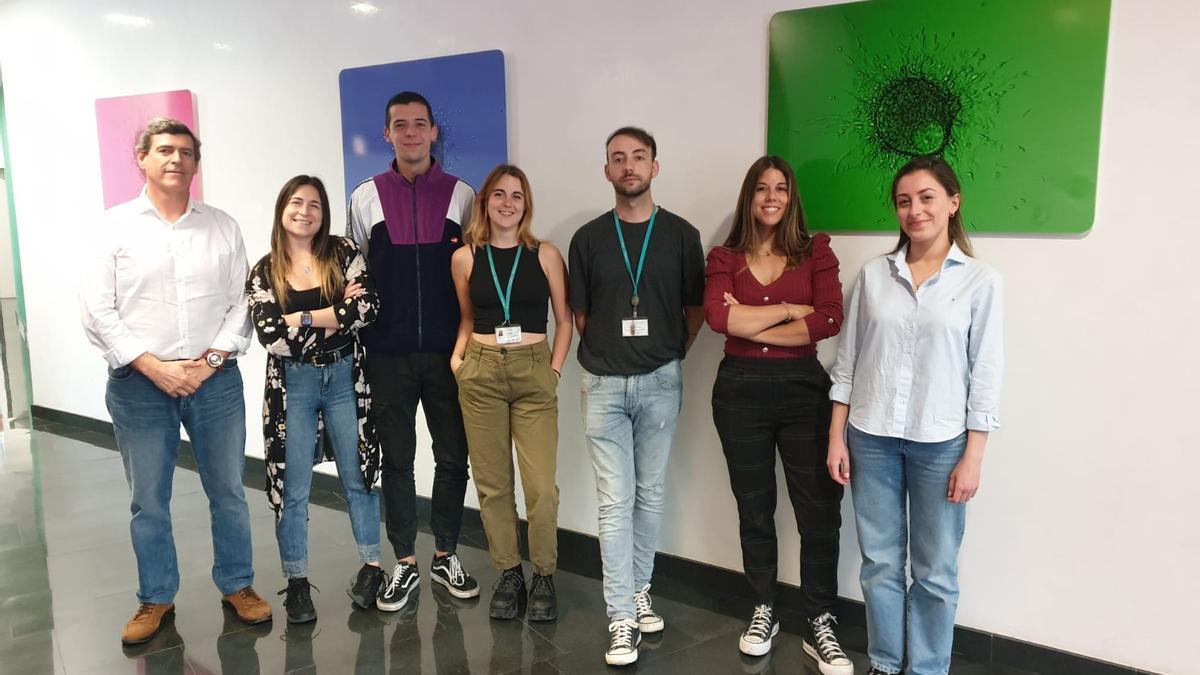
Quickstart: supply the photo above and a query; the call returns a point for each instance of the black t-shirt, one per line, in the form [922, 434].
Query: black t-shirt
[530, 290]
[310, 301]
[673, 278]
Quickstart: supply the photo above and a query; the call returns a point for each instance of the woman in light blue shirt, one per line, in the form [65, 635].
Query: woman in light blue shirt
[916, 391]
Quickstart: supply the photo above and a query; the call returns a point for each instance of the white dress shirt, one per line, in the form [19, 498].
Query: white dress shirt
[922, 365]
[174, 290]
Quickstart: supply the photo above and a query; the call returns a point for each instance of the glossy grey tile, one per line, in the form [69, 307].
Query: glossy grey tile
[67, 582]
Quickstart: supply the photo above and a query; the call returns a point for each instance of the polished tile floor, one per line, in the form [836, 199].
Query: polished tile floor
[67, 581]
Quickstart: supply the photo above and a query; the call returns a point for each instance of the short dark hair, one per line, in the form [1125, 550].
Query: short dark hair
[404, 98]
[165, 125]
[636, 133]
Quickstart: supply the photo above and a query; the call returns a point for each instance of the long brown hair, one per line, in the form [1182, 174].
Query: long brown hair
[791, 234]
[324, 249]
[944, 175]
[479, 230]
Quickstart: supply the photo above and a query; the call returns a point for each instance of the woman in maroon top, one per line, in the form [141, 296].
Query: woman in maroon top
[773, 289]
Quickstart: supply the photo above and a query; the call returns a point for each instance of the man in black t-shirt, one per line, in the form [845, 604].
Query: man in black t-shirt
[637, 289]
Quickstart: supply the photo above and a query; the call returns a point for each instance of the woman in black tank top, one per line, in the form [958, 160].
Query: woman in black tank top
[507, 379]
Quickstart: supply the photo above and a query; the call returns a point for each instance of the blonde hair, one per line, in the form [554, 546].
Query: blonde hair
[479, 229]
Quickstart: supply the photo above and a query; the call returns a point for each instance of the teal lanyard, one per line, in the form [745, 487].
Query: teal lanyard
[506, 296]
[635, 278]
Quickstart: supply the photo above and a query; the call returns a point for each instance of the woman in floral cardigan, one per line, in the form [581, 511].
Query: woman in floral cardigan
[308, 298]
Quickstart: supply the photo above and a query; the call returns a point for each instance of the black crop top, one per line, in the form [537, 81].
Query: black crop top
[530, 291]
[310, 300]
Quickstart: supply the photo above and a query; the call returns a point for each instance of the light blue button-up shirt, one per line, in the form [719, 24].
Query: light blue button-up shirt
[924, 364]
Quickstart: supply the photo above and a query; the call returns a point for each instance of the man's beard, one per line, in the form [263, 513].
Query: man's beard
[631, 192]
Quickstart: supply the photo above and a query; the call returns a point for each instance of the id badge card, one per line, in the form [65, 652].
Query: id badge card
[635, 327]
[508, 335]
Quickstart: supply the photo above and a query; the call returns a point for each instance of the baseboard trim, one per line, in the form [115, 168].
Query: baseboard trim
[696, 583]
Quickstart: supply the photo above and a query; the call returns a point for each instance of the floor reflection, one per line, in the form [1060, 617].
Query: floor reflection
[67, 577]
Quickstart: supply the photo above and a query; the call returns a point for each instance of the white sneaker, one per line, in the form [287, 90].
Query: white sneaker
[756, 640]
[647, 620]
[623, 640]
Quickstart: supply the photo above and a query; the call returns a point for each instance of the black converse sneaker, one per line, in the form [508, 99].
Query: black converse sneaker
[364, 587]
[509, 595]
[647, 620]
[397, 588]
[298, 601]
[448, 571]
[756, 640]
[623, 640]
[821, 644]
[543, 603]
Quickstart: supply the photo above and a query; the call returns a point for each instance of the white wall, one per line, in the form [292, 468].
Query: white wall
[1085, 534]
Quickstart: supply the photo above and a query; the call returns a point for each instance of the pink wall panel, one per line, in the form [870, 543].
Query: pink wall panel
[118, 120]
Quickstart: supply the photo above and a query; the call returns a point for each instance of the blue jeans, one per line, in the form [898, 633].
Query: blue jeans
[146, 422]
[629, 422]
[900, 505]
[330, 390]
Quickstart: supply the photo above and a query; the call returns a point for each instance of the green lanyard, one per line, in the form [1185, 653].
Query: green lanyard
[505, 296]
[635, 278]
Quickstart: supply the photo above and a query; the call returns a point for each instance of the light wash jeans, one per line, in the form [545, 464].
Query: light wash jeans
[899, 490]
[146, 422]
[629, 422]
[329, 389]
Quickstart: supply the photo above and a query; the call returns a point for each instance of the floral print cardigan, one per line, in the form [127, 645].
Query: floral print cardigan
[284, 342]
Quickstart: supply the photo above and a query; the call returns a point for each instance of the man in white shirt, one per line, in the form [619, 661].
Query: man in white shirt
[162, 297]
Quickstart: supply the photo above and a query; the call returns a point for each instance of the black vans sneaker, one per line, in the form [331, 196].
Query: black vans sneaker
[298, 601]
[757, 638]
[821, 644]
[397, 588]
[543, 603]
[623, 640]
[448, 571]
[364, 587]
[509, 595]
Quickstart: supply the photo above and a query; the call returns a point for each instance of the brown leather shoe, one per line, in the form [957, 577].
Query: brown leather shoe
[146, 623]
[248, 606]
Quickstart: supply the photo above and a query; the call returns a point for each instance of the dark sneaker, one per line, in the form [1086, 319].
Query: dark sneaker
[623, 640]
[364, 587]
[821, 644]
[543, 603]
[298, 602]
[757, 638]
[448, 571]
[647, 620]
[397, 588]
[508, 596]
[878, 671]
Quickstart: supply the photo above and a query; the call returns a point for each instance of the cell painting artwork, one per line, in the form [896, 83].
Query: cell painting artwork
[1008, 91]
[468, 97]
